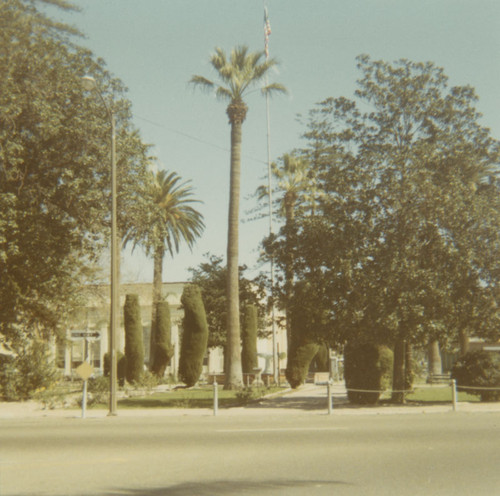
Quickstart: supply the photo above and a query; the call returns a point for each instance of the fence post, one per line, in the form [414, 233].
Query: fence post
[454, 394]
[329, 394]
[216, 397]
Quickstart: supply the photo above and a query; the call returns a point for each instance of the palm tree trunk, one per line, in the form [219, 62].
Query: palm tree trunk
[234, 375]
[157, 290]
[464, 342]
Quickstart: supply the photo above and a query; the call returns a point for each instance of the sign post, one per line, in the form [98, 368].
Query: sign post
[85, 370]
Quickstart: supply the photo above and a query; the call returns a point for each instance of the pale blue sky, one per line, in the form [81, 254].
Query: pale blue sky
[155, 46]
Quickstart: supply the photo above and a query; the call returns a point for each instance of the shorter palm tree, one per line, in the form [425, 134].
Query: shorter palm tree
[162, 218]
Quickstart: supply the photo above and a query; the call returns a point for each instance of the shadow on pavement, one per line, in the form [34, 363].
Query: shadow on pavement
[211, 488]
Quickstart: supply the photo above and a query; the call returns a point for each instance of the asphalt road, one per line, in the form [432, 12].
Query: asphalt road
[311, 455]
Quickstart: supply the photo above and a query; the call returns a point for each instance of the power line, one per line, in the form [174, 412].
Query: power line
[195, 138]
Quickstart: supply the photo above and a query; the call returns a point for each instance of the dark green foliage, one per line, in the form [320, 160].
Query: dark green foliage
[134, 347]
[481, 369]
[211, 277]
[403, 243]
[54, 167]
[194, 337]
[366, 367]
[249, 340]
[322, 359]
[31, 369]
[121, 366]
[162, 347]
[299, 359]
[305, 319]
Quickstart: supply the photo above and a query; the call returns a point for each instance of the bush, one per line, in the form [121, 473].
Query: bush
[147, 381]
[248, 394]
[194, 337]
[121, 366]
[299, 359]
[480, 369]
[367, 367]
[134, 345]
[30, 370]
[249, 340]
[98, 390]
[162, 349]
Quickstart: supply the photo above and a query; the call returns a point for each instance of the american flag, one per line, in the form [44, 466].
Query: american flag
[267, 32]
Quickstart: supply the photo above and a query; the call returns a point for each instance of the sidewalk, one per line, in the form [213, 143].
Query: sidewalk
[309, 399]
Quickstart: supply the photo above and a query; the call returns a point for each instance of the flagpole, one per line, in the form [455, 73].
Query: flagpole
[267, 32]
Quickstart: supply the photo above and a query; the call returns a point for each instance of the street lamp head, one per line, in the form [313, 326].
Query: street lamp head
[88, 83]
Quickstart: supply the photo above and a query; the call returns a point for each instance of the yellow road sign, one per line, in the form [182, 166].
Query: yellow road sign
[85, 370]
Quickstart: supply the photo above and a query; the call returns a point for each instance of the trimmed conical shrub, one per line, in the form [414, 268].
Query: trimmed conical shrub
[249, 340]
[161, 329]
[194, 337]
[367, 367]
[134, 345]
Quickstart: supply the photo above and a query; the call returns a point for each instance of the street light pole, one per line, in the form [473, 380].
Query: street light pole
[89, 83]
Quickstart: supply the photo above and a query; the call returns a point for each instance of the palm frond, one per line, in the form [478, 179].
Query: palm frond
[272, 88]
[201, 81]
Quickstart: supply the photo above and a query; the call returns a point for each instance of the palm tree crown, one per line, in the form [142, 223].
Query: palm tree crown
[238, 73]
[167, 217]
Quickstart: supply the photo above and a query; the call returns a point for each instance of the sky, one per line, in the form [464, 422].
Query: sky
[155, 46]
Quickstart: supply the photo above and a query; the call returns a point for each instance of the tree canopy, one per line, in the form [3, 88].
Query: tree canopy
[405, 240]
[54, 166]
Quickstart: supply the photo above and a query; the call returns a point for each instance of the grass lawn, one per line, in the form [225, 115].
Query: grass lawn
[201, 397]
[437, 394]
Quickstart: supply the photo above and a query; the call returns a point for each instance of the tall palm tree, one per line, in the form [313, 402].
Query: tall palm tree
[236, 76]
[163, 218]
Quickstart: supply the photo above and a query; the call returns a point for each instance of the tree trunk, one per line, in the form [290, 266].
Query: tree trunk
[157, 295]
[234, 375]
[434, 358]
[464, 342]
[398, 377]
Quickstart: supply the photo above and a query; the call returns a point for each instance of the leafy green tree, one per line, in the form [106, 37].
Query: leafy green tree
[211, 277]
[54, 167]
[162, 346]
[161, 219]
[194, 336]
[249, 340]
[31, 368]
[403, 247]
[237, 74]
[134, 345]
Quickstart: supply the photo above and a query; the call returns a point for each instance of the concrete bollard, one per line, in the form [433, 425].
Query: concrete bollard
[454, 395]
[216, 398]
[329, 394]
